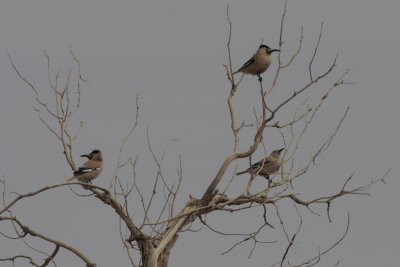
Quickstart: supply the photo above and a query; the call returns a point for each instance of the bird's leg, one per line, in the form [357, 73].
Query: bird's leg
[259, 78]
[269, 180]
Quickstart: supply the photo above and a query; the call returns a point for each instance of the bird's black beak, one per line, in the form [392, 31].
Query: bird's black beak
[280, 150]
[275, 50]
[85, 156]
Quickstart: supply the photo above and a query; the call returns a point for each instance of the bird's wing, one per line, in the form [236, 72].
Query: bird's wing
[88, 166]
[262, 162]
[249, 62]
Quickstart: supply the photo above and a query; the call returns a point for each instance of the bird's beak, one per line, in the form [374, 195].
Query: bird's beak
[280, 150]
[275, 50]
[85, 156]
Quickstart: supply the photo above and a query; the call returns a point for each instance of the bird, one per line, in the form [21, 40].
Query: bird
[89, 170]
[267, 166]
[259, 62]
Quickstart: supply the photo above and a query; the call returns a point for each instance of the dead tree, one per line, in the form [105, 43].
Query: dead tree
[148, 241]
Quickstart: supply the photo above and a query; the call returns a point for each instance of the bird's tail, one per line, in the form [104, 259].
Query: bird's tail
[243, 172]
[72, 179]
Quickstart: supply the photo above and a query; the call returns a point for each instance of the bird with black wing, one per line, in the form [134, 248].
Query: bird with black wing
[267, 166]
[89, 170]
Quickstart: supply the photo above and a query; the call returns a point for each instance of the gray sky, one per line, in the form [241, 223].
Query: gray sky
[171, 53]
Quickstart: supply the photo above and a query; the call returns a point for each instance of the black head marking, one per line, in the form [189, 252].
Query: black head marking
[265, 46]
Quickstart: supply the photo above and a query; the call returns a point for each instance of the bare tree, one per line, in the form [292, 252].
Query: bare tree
[149, 238]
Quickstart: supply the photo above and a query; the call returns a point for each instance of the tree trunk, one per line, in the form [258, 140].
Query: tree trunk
[152, 261]
[150, 257]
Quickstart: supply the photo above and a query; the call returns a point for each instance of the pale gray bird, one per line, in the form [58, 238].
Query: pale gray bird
[258, 63]
[90, 169]
[267, 166]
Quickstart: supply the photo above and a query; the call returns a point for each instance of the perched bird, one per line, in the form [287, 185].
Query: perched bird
[267, 166]
[90, 169]
[258, 63]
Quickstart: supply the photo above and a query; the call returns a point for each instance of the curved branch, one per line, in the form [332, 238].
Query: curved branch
[27, 230]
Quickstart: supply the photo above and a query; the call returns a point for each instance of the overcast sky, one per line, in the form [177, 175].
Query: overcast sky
[171, 53]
